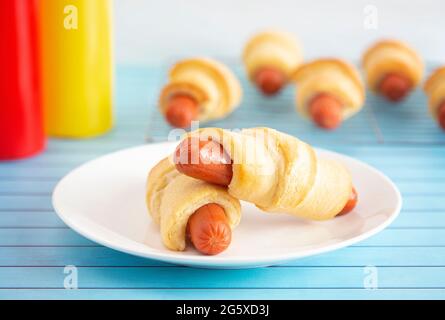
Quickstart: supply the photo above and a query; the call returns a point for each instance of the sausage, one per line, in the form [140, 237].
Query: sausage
[204, 160]
[441, 115]
[217, 167]
[395, 87]
[181, 111]
[269, 80]
[326, 111]
[350, 205]
[209, 230]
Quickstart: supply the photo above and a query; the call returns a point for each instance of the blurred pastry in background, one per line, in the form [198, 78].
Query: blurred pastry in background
[270, 57]
[199, 89]
[392, 68]
[329, 91]
[435, 89]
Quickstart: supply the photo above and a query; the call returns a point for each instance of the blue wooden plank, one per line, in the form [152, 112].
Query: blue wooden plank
[407, 237]
[42, 237]
[276, 277]
[415, 174]
[408, 162]
[37, 219]
[420, 219]
[413, 122]
[31, 202]
[105, 257]
[422, 187]
[424, 202]
[218, 294]
[26, 186]
[392, 153]
[27, 173]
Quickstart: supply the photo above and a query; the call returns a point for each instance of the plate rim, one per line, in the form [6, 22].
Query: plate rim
[221, 261]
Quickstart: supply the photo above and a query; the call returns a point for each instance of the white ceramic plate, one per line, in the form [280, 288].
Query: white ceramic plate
[104, 200]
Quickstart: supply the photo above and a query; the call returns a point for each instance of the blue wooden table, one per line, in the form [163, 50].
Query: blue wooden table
[408, 258]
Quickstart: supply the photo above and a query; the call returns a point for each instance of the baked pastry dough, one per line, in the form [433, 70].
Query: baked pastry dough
[435, 89]
[272, 49]
[280, 173]
[215, 88]
[391, 56]
[332, 76]
[172, 198]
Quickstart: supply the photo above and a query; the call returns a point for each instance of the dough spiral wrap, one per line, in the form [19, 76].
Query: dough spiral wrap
[272, 49]
[391, 56]
[434, 87]
[214, 87]
[280, 173]
[172, 198]
[333, 76]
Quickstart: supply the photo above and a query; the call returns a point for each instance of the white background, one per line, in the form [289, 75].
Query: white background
[156, 31]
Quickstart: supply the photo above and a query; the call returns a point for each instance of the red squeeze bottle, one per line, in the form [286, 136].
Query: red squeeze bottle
[21, 119]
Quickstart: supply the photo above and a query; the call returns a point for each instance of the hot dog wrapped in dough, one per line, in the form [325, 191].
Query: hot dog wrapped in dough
[392, 68]
[435, 89]
[173, 198]
[275, 171]
[329, 91]
[270, 57]
[199, 89]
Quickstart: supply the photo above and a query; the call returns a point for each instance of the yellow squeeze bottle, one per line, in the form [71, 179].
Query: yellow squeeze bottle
[77, 67]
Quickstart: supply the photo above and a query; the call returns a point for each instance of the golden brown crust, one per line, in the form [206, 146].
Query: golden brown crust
[437, 75]
[272, 48]
[397, 44]
[333, 76]
[209, 82]
[346, 67]
[434, 87]
[284, 38]
[172, 198]
[231, 85]
[279, 173]
[391, 56]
